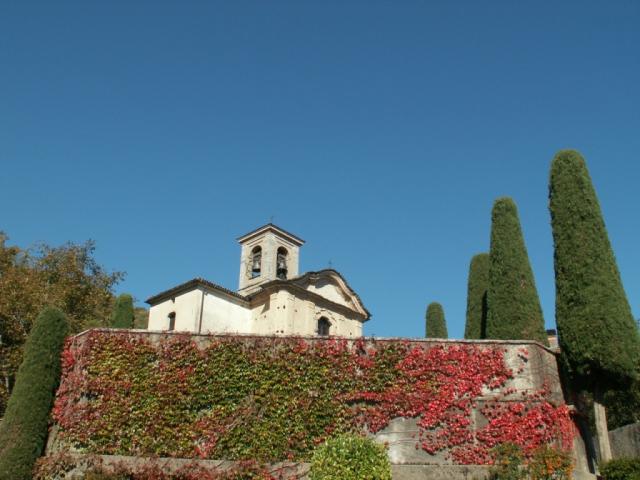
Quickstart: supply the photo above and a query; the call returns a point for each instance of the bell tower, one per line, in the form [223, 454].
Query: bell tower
[268, 253]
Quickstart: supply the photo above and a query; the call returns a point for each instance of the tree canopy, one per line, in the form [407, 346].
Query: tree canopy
[67, 277]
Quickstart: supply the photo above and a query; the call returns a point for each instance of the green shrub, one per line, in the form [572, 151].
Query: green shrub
[548, 463]
[507, 462]
[23, 431]
[621, 469]
[350, 457]
[123, 315]
[436, 325]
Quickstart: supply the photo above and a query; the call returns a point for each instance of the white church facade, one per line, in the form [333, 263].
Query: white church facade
[272, 298]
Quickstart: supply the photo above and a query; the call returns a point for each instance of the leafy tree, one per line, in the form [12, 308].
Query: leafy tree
[436, 326]
[514, 310]
[123, 315]
[67, 277]
[23, 431]
[141, 318]
[477, 287]
[597, 332]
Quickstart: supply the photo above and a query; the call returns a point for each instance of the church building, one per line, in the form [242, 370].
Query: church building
[272, 297]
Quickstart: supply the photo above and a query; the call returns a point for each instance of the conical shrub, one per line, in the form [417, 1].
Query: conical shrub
[436, 326]
[123, 314]
[597, 333]
[23, 431]
[514, 310]
[477, 286]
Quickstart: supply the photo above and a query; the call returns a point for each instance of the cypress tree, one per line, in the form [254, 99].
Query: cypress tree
[597, 333]
[477, 286]
[123, 314]
[23, 431]
[436, 326]
[514, 310]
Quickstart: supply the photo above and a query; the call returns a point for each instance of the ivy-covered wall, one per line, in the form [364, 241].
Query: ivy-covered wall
[275, 398]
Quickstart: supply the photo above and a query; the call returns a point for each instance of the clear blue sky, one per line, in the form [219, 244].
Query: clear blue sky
[380, 132]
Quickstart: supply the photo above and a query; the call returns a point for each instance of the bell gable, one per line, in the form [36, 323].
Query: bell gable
[331, 285]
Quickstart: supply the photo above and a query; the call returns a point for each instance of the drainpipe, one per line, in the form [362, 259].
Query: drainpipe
[201, 312]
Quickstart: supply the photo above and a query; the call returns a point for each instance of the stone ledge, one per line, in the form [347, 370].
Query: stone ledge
[439, 472]
[297, 470]
[82, 463]
[370, 339]
[455, 472]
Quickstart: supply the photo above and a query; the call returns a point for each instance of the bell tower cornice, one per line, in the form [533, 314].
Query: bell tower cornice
[273, 228]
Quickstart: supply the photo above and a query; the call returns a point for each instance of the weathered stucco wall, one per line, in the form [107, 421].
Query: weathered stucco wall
[186, 307]
[223, 314]
[287, 314]
[282, 312]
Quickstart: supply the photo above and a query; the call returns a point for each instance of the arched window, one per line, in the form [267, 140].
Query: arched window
[281, 263]
[324, 327]
[256, 262]
[172, 321]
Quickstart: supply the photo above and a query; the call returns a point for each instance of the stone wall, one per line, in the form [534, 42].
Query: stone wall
[538, 372]
[625, 441]
[288, 470]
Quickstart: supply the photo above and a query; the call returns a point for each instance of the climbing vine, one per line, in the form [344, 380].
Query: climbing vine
[62, 465]
[272, 399]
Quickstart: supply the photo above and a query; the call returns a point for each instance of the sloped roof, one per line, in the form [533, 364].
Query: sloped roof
[270, 226]
[190, 285]
[301, 279]
[295, 282]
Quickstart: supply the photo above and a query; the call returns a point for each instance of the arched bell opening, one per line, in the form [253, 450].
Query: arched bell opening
[281, 263]
[256, 262]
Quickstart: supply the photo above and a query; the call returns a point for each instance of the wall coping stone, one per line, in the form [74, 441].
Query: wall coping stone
[315, 337]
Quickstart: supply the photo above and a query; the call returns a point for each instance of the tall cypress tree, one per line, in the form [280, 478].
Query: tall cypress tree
[436, 326]
[477, 286]
[23, 431]
[597, 333]
[123, 314]
[514, 310]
